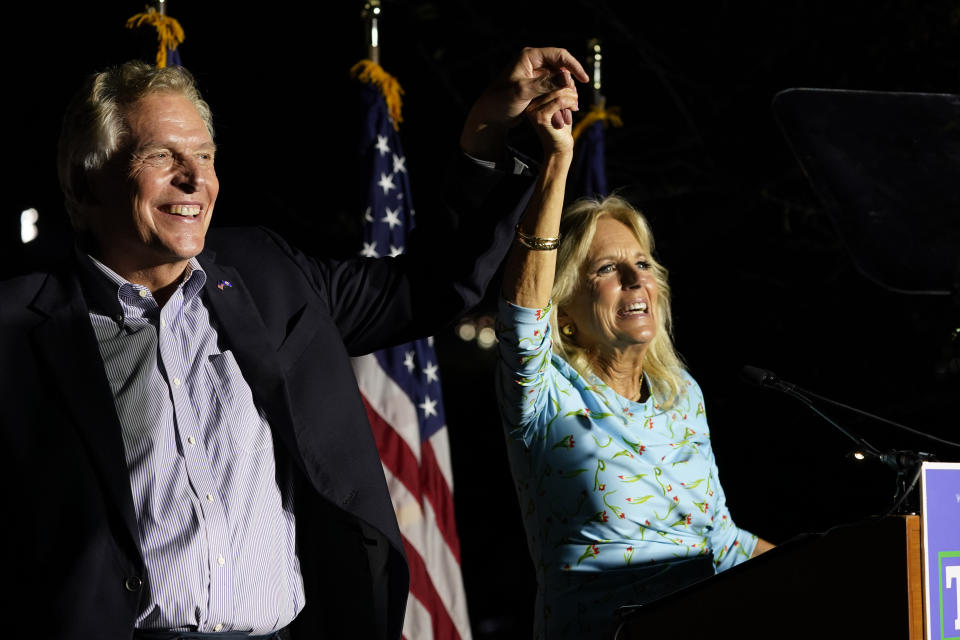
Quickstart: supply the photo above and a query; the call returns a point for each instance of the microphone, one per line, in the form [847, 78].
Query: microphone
[757, 376]
[764, 378]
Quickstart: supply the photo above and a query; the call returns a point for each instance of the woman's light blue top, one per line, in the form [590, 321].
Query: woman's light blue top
[615, 495]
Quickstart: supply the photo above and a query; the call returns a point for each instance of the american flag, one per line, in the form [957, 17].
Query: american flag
[401, 390]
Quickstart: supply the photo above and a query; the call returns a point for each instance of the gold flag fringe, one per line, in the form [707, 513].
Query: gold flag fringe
[598, 113]
[169, 32]
[370, 72]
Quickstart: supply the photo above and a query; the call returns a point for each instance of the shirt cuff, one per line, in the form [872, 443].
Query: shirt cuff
[510, 163]
[524, 315]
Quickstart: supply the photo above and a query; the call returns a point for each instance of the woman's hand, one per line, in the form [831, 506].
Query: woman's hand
[551, 117]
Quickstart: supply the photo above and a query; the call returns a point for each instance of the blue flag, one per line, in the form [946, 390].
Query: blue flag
[589, 163]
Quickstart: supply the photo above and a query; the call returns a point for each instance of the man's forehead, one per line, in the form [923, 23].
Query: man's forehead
[164, 116]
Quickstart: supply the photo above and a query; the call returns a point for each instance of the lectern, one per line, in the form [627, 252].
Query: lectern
[860, 580]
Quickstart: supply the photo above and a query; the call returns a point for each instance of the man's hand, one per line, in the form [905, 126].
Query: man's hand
[536, 72]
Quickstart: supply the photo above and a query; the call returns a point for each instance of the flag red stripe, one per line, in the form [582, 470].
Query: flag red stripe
[421, 587]
[436, 490]
[424, 479]
[394, 452]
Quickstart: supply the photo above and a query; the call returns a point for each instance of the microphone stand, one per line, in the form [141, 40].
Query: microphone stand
[907, 464]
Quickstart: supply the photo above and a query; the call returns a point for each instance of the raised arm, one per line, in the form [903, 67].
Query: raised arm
[448, 264]
[535, 73]
[529, 271]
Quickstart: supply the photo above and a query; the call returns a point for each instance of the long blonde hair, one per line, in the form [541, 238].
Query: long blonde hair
[662, 366]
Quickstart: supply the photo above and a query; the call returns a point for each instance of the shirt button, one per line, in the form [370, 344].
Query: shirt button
[221, 561]
[176, 382]
[217, 627]
[210, 499]
[143, 293]
[163, 323]
[191, 440]
[133, 583]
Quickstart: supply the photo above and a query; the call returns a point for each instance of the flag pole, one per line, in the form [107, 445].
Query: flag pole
[589, 165]
[595, 56]
[371, 16]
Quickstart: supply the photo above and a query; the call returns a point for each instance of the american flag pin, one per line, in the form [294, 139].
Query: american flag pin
[224, 284]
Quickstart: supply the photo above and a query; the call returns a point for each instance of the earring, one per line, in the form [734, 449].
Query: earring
[568, 330]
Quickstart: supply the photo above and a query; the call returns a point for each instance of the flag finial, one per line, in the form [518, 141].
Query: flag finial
[371, 15]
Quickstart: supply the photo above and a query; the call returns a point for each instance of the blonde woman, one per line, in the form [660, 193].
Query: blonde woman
[607, 433]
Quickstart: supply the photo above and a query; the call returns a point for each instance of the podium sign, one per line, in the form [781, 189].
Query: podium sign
[941, 545]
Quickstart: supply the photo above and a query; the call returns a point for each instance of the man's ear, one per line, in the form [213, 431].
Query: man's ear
[84, 187]
[81, 198]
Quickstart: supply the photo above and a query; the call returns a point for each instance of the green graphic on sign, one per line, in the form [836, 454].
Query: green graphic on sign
[953, 602]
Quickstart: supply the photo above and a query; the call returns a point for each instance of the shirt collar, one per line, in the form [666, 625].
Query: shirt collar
[102, 285]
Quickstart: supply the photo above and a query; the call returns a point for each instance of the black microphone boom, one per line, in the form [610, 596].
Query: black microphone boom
[764, 378]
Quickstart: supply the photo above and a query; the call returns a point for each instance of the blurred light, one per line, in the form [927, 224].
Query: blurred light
[486, 338]
[479, 328]
[28, 225]
[467, 330]
[859, 456]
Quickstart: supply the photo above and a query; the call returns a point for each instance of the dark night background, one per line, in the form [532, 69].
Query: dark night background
[760, 274]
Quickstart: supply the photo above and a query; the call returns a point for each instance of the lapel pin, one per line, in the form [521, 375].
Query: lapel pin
[224, 284]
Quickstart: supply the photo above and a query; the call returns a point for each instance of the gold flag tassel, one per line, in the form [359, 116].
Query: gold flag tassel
[598, 113]
[370, 72]
[169, 32]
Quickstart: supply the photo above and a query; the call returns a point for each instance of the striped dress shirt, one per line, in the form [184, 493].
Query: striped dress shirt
[216, 531]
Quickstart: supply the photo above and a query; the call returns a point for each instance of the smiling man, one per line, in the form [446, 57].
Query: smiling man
[188, 452]
[147, 212]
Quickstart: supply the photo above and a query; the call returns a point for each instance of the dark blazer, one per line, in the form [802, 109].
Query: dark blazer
[292, 323]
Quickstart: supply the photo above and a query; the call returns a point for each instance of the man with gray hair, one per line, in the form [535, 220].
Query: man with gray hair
[188, 452]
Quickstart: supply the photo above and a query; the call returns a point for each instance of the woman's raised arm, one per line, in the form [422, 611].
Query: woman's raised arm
[529, 271]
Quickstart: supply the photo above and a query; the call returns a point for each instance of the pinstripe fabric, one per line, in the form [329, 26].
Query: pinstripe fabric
[216, 534]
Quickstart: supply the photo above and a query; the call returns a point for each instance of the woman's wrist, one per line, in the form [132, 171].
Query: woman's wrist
[557, 161]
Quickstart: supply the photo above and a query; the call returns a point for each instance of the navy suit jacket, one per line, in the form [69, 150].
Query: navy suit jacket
[292, 323]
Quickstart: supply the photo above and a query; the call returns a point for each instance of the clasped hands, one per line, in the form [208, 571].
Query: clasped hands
[540, 84]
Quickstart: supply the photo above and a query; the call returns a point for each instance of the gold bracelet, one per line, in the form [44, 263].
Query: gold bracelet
[536, 243]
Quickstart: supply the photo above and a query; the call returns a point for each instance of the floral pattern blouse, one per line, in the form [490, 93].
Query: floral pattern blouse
[605, 484]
